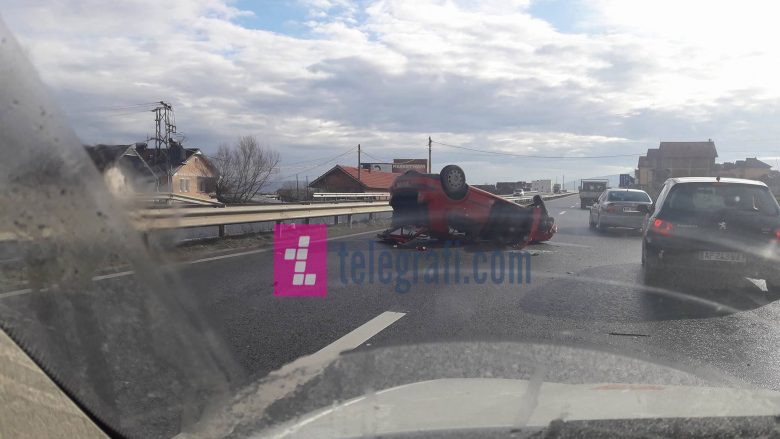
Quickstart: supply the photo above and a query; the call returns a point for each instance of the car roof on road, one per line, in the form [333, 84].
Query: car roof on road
[713, 180]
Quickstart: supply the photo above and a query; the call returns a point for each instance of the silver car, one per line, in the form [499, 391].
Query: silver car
[619, 208]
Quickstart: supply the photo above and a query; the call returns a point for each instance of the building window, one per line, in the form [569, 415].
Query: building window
[201, 184]
[184, 185]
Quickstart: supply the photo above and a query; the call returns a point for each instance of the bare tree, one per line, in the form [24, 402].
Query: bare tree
[244, 168]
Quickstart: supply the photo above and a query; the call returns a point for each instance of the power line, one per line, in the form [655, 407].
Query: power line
[532, 156]
[316, 166]
[129, 107]
[312, 160]
[374, 157]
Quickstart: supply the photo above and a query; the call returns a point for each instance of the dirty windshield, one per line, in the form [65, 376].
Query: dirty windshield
[334, 218]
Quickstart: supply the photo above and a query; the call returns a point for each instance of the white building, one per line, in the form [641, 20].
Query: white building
[544, 186]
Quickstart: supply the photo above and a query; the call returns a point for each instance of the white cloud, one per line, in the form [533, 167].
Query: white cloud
[388, 73]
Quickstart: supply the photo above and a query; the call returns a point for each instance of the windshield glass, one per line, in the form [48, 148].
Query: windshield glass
[377, 218]
[628, 196]
[712, 197]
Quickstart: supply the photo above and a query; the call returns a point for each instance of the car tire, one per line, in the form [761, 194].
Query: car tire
[582, 205]
[453, 182]
[651, 272]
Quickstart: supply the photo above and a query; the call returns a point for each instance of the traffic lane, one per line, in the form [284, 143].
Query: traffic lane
[576, 247]
[604, 303]
[265, 332]
[573, 224]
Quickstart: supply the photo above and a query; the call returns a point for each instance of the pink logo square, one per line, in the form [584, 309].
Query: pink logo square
[300, 260]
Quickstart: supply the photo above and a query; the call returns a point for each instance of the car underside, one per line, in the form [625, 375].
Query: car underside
[442, 206]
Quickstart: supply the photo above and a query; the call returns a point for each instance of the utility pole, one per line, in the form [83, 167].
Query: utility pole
[297, 192]
[359, 162]
[430, 166]
[162, 136]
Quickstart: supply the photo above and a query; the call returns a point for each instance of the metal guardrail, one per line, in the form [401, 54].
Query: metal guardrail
[169, 198]
[151, 219]
[352, 195]
[174, 218]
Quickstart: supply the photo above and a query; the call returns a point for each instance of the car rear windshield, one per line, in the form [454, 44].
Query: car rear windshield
[628, 196]
[713, 197]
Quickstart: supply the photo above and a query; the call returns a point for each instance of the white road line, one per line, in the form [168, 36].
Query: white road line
[562, 212]
[350, 341]
[197, 261]
[113, 275]
[292, 376]
[565, 244]
[15, 293]
[227, 256]
[760, 283]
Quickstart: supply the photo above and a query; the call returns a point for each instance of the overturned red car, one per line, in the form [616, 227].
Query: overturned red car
[442, 206]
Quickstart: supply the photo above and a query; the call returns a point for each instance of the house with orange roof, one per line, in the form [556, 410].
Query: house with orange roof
[347, 179]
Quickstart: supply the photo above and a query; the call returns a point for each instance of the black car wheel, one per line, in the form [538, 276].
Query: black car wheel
[453, 181]
[651, 272]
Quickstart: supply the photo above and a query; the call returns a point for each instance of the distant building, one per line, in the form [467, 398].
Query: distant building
[124, 170]
[182, 171]
[346, 179]
[750, 168]
[486, 187]
[544, 186]
[675, 159]
[772, 179]
[510, 187]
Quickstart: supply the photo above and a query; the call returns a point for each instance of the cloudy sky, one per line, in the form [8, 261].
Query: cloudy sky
[313, 78]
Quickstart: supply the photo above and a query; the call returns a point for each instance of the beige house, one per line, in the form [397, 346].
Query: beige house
[750, 168]
[675, 159]
[184, 171]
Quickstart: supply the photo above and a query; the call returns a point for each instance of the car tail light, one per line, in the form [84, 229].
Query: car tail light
[612, 209]
[777, 234]
[661, 227]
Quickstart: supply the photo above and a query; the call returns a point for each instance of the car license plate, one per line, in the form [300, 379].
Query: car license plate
[630, 210]
[722, 256]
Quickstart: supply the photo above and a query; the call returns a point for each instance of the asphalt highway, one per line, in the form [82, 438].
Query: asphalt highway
[583, 288]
